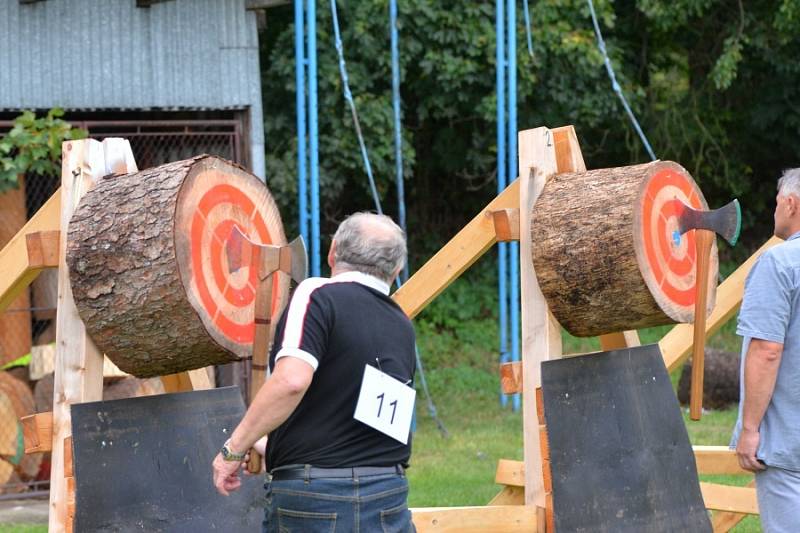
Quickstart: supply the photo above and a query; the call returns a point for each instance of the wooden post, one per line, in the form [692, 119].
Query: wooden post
[541, 335]
[79, 365]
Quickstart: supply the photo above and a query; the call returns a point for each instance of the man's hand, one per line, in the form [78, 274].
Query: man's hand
[226, 475]
[746, 450]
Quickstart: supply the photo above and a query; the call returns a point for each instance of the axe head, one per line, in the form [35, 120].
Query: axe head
[725, 221]
[299, 269]
[291, 259]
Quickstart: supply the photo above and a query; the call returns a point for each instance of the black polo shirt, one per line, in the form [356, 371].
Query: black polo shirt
[338, 326]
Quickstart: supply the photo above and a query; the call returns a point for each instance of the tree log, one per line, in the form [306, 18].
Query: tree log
[606, 251]
[149, 263]
[21, 399]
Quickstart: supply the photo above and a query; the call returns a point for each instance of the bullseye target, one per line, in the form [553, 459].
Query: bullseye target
[666, 257]
[223, 282]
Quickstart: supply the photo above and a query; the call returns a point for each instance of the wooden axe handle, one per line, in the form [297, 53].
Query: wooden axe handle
[264, 332]
[703, 240]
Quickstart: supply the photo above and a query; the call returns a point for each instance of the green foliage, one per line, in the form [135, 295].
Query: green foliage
[34, 146]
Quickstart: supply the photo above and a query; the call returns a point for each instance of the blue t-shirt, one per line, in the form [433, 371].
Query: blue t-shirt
[771, 311]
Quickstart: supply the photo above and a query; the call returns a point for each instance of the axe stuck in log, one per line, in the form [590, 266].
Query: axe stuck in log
[727, 222]
[291, 259]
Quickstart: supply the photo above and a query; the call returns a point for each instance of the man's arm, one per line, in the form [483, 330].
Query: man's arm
[275, 401]
[760, 373]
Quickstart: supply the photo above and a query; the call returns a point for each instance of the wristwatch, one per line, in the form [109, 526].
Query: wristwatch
[230, 455]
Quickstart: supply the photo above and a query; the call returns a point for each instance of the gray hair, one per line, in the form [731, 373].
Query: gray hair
[372, 244]
[790, 182]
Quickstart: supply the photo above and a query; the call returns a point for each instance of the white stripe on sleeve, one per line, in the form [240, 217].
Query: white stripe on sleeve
[293, 332]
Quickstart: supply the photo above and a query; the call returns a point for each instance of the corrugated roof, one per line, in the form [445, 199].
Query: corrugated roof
[109, 54]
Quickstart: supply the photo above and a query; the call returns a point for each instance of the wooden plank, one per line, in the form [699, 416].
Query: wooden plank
[511, 377]
[37, 432]
[16, 271]
[619, 340]
[455, 257]
[724, 521]
[42, 249]
[506, 518]
[79, 364]
[506, 224]
[717, 460]
[677, 344]
[509, 496]
[198, 379]
[541, 335]
[731, 499]
[510, 473]
[69, 468]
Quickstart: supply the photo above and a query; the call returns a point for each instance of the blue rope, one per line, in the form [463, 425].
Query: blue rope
[528, 27]
[349, 97]
[398, 134]
[617, 89]
[376, 199]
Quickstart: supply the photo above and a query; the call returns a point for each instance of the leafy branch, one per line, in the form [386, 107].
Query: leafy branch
[34, 146]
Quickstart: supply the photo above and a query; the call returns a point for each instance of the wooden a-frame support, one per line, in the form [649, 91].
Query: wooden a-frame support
[544, 152]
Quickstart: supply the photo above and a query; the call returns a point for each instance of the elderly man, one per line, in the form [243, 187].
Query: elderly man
[337, 405]
[767, 434]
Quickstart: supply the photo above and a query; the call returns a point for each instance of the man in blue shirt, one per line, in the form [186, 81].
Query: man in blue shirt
[767, 433]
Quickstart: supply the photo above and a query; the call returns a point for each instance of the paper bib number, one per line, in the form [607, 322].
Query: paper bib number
[385, 404]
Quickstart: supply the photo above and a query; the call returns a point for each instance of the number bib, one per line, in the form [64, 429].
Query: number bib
[385, 404]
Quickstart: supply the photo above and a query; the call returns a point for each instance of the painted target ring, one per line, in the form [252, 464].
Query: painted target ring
[667, 259]
[221, 290]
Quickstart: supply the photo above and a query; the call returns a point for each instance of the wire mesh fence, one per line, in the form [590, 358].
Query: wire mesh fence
[27, 327]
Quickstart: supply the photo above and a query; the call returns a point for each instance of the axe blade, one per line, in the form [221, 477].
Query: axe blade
[725, 221]
[234, 249]
[299, 270]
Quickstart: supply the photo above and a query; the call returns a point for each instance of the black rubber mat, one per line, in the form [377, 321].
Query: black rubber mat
[620, 456]
[144, 464]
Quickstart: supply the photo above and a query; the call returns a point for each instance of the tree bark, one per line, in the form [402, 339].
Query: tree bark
[133, 273]
[589, 249]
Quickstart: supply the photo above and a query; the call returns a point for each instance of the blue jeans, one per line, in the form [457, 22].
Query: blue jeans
[364, 504]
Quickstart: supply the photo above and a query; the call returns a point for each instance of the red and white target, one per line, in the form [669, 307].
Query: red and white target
[667, 259]
[223, 289]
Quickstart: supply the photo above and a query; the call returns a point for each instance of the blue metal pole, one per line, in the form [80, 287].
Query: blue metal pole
[300, 103]
[311, 10]
[398, 137]
[511, 31]
[502, 248]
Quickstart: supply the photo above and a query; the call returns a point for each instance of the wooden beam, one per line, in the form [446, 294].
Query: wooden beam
[619, 340]
[455, 257]
[717, 460]
[16, 269]
[511, 377]
[506, 224]
[198, 379]
[510, 473]
[265, 4]
[509, 495]
[724, 521]
[506, 518]
[43, 249]
[541, 334]
[677, 344]
[731, 499]
[79, 364]
[37, 432]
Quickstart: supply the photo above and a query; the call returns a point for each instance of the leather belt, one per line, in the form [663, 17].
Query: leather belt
[313, 472]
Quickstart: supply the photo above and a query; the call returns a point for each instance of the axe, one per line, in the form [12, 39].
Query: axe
[727, 222]
[290, 259]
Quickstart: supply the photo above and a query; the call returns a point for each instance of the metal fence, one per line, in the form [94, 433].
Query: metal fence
[29, 322]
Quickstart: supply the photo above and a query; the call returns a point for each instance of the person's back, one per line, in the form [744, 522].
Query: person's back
[364, 327]
[767, 432]
[338, 405]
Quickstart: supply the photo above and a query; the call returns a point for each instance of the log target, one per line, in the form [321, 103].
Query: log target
[607, 253]
[150, 265]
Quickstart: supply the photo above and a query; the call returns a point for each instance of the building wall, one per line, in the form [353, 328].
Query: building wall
[110, 54]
